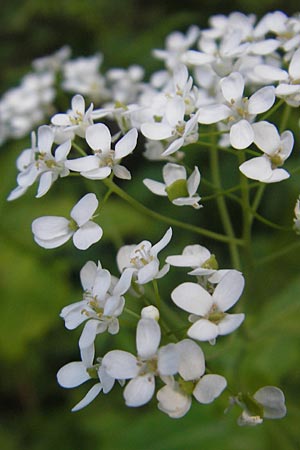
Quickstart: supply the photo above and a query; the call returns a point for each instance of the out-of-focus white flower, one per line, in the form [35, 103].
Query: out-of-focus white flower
[267, 403]
[76, 119]
[52, 62]
[176, 45]
[297, 216]
[180, 190]
[208, 310]
[151, 361]
[143, 259]
[277, 148]
[38, 161]
[53, 231]
[105, 160]
[175, 397]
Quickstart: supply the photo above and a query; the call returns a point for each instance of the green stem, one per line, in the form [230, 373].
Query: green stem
[225, 218]
[79, 149]
[170, 221]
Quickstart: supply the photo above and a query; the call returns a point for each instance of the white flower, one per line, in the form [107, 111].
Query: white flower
[297, 216]
[143, 258]
[102, 303]
[38, 161]
[277, 148]
[180, 190]
[150, 361]
[197, 257]
[76, 119]
[238, 112]
[267, 403]
[53, 231]
[75, 373]
[105, 160]
[208, 310]
[175, 397]
[173, 126]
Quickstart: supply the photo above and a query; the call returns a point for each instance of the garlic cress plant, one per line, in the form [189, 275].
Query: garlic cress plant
[226, 89]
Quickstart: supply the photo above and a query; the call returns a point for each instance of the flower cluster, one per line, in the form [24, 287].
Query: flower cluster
[219, 90]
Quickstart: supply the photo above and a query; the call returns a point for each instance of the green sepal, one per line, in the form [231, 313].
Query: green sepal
[177, 189]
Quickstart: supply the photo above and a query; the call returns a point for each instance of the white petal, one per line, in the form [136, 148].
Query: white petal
[294, 67]
[230, 323]
[89, 397]
[139, 391]
[192, 363]
[53, 243]
[173, 402]
[88, 275]
[213, 114]
[287, 144]
[120, 365]
[45, 183]
[97, 174]
[106, 380]
[98, 137]
[241, 134]
[84, 209]
[270, 73]
[229, 290]
[193, 298]
[156, 187]
[162, 243]
[126, 145]
[209, 388]
[148, 272]
[173, 147]
[258, 168]
[61, 120]
[87, 235]
[203, 330]
[261, 100]
[88, 334]
[266, 137]
[193, 181]
[78, 104]
[83, 164]
[196, 58]
[72, 374]
[50, 227]
[175, 109]
[264, 47]
[45, 139]
[124, 282]
[233, 87]
[272, 400]
[147, 337]
[173, 172]
[156, 131]
[101, 283]
[63, 150]
[168, 360]
[72, 314]
[121, 172]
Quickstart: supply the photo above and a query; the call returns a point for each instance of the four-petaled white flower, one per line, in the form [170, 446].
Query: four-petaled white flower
[175, 398]
[177, 187]
[102, 303]
[38, 161]
[197, 257]
[76, 373]
[104, 160]
[267, 403]
[277, 148]
[53, 231]
[76, 119]
[208, 310]
[238, 112]
[151, 361]
[143, 259]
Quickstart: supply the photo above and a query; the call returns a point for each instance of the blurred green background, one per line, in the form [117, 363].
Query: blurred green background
[36, 284]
